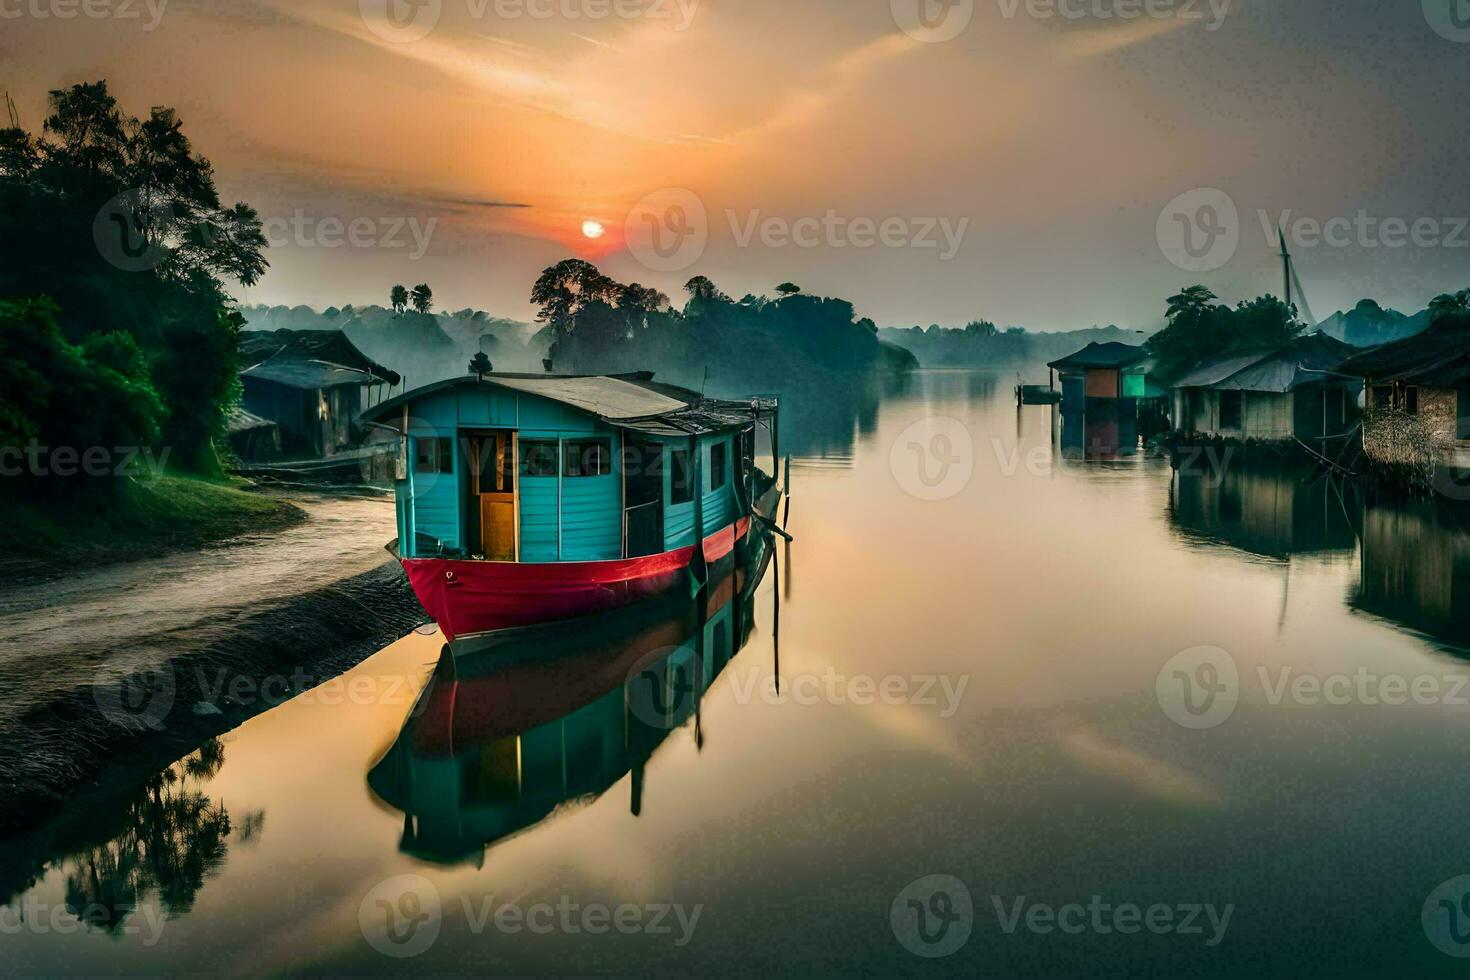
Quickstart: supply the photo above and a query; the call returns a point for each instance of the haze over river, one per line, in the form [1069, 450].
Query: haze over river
[997, 739]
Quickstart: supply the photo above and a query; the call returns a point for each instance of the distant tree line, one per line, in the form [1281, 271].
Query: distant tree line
[115, 327]
[595, 323]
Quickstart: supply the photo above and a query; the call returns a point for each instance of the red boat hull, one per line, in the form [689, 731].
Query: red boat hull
[470, 597]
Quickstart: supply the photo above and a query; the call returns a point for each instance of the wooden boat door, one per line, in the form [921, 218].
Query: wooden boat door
[493, 467]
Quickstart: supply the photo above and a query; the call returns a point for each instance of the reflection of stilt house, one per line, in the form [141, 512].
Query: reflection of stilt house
[1274, 512]
[313, 384]
[1106, 393]
[1416, 572]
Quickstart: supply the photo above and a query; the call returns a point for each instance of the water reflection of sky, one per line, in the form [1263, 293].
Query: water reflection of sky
[1049, 596]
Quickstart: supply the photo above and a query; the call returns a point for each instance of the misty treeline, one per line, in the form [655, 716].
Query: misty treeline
[115, 327]
[981, 344]
[594, 323]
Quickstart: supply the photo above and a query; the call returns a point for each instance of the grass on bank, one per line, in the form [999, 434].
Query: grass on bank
[139, 518]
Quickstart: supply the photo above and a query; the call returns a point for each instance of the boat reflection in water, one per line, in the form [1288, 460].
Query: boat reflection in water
[1413, 556]
[527, 720]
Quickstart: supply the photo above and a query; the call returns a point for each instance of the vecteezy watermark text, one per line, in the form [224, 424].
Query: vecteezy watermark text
[29, 915]
[127, 462]
[403, 916]
[129, 10]
[405, 21]
[1201, 687]
[1212, 12]
[935, 915]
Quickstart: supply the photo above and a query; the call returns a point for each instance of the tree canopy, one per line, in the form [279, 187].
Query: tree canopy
[118, 221]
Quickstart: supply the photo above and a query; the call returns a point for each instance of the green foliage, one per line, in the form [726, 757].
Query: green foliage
[480, 365]
[601, 325]
[119, 222]
[423, 298]
[1200, 330]
[59, 394]
[398, 298]
[1447, 304]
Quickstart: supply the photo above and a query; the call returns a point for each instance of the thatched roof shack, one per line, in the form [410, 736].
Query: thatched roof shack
[1418, 395]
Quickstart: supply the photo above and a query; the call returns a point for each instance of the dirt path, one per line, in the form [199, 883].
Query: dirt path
[55, 636]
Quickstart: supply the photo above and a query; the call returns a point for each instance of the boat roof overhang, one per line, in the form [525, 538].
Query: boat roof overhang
[630, 401]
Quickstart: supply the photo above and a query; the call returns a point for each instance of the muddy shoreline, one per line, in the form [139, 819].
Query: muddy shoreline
[125, 726]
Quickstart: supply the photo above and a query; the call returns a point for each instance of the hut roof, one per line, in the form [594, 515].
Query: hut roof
[329, 346]
[1439, 356]
[308, 375]
[1110, 355]
[1305, 360]
[239, 420]
[632, 401]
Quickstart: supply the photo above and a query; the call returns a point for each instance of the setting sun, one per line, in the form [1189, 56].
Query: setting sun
[592, 229]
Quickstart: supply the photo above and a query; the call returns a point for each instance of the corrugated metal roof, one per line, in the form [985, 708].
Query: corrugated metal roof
[631, 401]
[298, 373]
[1216, 371]
[239, 420]
[611, 398]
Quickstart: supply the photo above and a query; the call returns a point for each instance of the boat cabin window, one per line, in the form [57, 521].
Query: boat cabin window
[1230, 409]
[588, 457]
[538, 458]
[435, 455]
[681, 477]
[719, 465]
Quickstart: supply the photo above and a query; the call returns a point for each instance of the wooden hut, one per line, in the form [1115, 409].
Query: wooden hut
[1106, 389]
[1291, 392]
[313, 384]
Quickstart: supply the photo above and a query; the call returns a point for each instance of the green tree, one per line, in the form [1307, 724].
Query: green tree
[788, 289]
[1447, 304]
[480, 365]
[423, 298]
[398, 298]
[123, 227]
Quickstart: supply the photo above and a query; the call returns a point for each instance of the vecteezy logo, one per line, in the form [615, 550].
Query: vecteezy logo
[663, 687]
[1446, 917]
[933, 916]
[401, 917]
[1450, 19]
[668, 230]
[932, 21]
[1199, 230]
[934, 458]
[1198, 687]
[1451, 482]
[400, 21]
[134, 699]
[124, 231]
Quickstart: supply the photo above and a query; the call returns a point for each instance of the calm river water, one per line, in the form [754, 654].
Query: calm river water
[1036, 716]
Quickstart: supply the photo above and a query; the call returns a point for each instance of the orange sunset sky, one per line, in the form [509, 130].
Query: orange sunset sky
[1056, 139]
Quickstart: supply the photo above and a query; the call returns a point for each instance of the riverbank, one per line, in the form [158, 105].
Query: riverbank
[144, 518]
[134, 719]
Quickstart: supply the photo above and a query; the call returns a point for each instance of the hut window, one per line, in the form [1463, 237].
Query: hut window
[1230, 409]
[1382, 396]
[538, 458]
[681, 478]
[1462, 411]
[1411, 401]
[719, 465]
[588, 457]
[435, 455]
